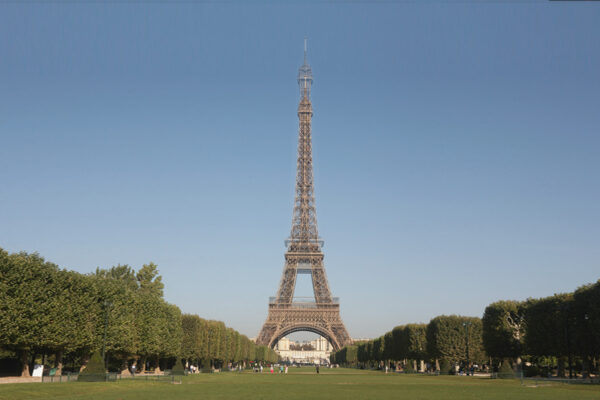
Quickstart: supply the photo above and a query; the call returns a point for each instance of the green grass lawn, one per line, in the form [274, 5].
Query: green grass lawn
[304, 383]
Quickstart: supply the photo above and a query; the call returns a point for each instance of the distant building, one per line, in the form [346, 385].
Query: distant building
[320, 354]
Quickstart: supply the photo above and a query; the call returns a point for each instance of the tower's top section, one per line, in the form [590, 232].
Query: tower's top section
[305, 77]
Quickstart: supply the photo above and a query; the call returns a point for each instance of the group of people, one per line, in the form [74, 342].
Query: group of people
[282, 369]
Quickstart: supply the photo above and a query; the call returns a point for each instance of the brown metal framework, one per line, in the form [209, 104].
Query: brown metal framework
[304, 254]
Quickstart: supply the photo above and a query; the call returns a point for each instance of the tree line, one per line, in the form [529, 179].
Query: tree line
[557, 333]
[62, 317]
[442, 343]
[209, 344]
[538, 336]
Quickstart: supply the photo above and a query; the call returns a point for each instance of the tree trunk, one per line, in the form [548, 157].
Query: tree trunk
[32, 361]
[59, 362]
[437, 364]
[124, 369]
[84, 360]
[421, 366]
[24, 358]
[142, 365]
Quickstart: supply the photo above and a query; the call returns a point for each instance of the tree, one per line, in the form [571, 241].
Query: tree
[548, 321]
[399, 349]
[77, 312]
[447, 338]
[504, 329]
[192, 336]
[388, 347]
[117, 288]
[171, 331]
[415, 341]
[586, 309]
[377, 350]
[25, 312]
[150, 314]
[94, 370]
[550, 327]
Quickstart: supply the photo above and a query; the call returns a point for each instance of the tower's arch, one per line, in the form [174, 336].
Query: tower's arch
[288, 330]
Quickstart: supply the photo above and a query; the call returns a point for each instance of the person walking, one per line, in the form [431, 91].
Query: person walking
[317, 368]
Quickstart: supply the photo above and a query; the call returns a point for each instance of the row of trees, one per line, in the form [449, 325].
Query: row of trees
[209, 344]
[561, 330]
[564, 328]
[446, 340]
[66, 316]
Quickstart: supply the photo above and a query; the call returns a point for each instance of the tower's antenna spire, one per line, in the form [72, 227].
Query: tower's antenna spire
[305, 40]
[305, 75]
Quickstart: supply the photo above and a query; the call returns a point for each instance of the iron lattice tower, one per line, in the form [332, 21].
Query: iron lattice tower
[304, 253]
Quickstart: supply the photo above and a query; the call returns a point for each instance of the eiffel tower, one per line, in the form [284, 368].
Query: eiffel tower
[304, 255]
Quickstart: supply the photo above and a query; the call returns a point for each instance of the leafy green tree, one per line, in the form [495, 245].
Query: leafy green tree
[504, 329]
[117, 288]
[94, 371]
[551, 329]
[178, 367]
[447, 338]
[586, 310]
[25, 312]
[548, 322]
[362, 353]
[192, 336]
[171, 331]
[399, 349]
[76, 315]
[377, 349]
[415, 341]
[388, 347]
[506, 371]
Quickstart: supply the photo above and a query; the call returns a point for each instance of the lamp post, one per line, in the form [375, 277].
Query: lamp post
[107, 304]
[467, 324]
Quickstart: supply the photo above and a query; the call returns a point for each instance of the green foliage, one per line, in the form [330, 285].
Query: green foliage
[506, 371]
[178, 367]
[388, 346]
[192, 340]
[212, 340]
[25, 312]
[377, 349]
[586, 314]
[504, 329]
[46, 309]
[94, 371]
[95, 365]
[549, 321]
[446, 367]
[447, 338]
[347, 356]
[415, 341]
[117, 288]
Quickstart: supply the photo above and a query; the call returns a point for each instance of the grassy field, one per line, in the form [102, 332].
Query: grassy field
[304, 383]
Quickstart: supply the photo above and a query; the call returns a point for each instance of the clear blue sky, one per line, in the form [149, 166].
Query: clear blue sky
[456, 149]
